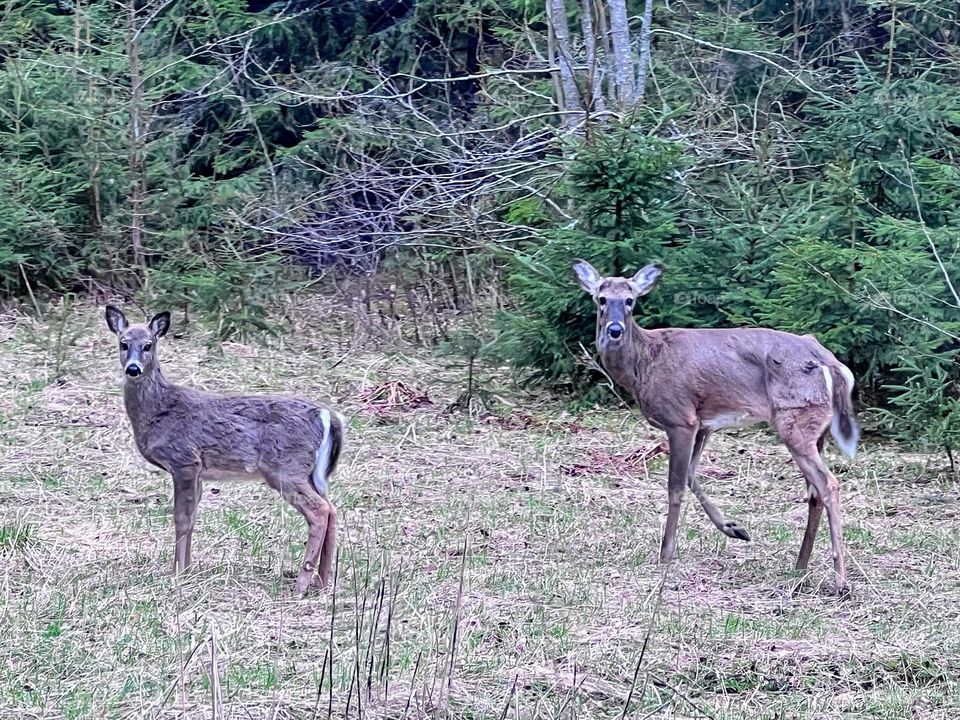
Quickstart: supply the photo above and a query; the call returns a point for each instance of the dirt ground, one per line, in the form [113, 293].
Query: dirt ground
[497, 565]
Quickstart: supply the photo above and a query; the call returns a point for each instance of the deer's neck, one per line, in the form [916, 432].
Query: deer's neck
[145, 399]
[625, 361]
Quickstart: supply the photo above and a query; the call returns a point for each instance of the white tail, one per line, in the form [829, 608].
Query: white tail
[328, 452]
[843, 424]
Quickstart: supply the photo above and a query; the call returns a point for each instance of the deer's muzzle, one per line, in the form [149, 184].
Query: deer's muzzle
[615, 330]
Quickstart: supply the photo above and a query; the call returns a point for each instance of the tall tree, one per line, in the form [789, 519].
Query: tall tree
[623, 68]
[559, 27]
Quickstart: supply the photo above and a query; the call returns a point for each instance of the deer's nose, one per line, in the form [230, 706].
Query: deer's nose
[133, 370]
[615, 330]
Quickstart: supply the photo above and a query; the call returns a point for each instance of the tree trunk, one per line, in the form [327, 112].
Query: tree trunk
[137, 139]
[552, 59]
[893, 35]
[609, 62]
[590, 45]
[557, 15]
[623, 58]
[643, 70]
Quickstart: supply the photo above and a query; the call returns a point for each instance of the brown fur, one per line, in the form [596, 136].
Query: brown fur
[689, 382]
[197, 436]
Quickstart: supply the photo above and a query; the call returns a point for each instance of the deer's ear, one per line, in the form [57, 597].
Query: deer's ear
[116, 320]
[647, 278]
[587, 275]
[160, 324]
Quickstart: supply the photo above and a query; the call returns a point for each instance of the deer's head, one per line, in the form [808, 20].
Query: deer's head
[138, 343]
[615, 298]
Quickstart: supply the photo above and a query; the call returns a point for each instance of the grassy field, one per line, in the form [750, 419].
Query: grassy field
[490, 567]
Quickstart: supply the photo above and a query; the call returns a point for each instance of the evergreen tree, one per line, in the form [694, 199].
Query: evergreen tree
[623, 193]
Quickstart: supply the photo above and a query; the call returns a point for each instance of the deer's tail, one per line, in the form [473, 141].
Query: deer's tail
[327, 455]
[843, 427]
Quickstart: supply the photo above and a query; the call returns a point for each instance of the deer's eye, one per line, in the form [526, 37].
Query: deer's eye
[124, 346]
[629, 302]
[602, 300]
[147, 346]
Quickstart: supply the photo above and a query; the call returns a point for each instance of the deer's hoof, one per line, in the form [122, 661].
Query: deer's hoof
[307, 586]
[667, 557]
[731, 529]
[843, 591]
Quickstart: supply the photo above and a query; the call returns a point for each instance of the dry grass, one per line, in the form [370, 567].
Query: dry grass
[485, 570]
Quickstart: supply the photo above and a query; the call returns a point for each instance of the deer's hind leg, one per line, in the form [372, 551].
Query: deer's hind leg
[727, 527]
[328, 550]
[800, 431]
[317, 512]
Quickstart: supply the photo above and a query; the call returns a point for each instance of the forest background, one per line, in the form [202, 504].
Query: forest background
[792, 162]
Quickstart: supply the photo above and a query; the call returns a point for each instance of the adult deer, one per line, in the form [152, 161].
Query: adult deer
[290, 443]
[691, 382]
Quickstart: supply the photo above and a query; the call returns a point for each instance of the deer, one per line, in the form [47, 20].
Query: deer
[690, 382]
[290, 443]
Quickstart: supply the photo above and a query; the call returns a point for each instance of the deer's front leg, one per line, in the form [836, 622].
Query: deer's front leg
[186, 495]
[681, 448]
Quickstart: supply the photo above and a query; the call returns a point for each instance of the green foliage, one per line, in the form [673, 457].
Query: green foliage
[625, 183]
[41, 193]
[925, 410]
[466, 349]
[16, 537]
[65, 118]
[868, 268]
[55, 333]
[858, 245]
[624, 186]
[227, 289]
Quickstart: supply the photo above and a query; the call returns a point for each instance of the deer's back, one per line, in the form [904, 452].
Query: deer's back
[734, 376]
[236, 435]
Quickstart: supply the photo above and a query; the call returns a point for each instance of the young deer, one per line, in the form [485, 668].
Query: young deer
[290, 443]
[691, 382]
